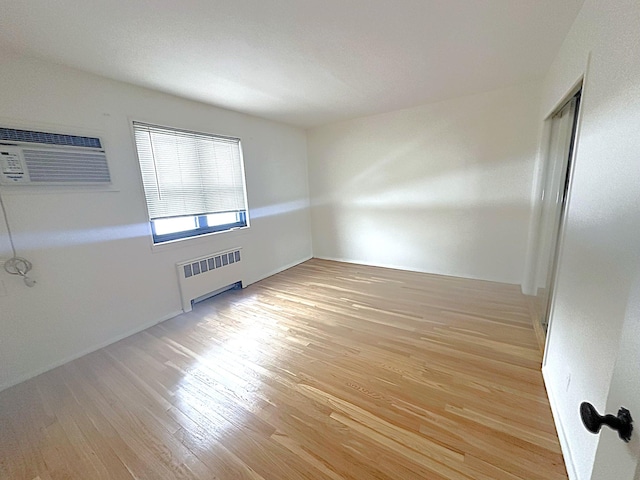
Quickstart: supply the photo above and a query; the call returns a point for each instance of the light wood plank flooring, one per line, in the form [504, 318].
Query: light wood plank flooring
[325, 371]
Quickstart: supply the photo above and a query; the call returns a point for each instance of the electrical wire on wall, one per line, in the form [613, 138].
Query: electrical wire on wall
[15, 265]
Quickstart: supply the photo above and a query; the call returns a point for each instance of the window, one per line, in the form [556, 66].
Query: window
[193, 182]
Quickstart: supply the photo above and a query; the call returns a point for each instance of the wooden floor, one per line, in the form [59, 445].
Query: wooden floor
[325, 371]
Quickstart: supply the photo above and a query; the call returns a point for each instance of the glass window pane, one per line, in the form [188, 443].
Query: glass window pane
[164, 226]
[222, 218]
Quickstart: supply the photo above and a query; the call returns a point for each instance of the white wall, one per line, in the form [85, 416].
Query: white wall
[599, 257]
[441, 188]
[98, 278]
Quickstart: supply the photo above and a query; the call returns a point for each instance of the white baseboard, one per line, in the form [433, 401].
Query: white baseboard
[139, 328]
[380, 265]
[40, 371]
[562, 437]
[407, 269]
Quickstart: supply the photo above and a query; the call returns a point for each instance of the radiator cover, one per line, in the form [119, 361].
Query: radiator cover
[200, 276]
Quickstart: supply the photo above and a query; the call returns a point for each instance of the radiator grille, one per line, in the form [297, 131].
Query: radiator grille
[203, 276]
[217, 261]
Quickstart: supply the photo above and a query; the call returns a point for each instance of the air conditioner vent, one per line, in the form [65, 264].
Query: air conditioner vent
[30, 136]
[53, 166]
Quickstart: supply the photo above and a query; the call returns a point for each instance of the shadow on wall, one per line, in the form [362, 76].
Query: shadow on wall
[456, 218]
[423, 142]
[482, 242]
[443, 188]
[268, 256]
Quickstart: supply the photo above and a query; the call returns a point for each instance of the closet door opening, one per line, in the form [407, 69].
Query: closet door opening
[553, 201]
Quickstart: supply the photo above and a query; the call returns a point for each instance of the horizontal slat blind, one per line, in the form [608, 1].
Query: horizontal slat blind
[188, 173]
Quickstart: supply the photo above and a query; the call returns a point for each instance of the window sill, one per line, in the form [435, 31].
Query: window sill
[196, 240]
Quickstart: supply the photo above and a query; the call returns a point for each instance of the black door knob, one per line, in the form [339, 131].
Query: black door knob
[593, 421]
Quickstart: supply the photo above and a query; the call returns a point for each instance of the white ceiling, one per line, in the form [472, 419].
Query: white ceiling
[303, 62]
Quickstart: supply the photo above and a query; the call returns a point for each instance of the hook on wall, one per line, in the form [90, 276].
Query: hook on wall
[20, 266]
[15, 265]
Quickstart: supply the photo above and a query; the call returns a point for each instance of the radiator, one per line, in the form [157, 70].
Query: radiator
[204, 275]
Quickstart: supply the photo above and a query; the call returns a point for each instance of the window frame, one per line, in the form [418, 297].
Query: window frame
[163, 240]
[203, 228]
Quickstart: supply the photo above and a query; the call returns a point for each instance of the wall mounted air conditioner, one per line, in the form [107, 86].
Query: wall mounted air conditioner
[41, 158]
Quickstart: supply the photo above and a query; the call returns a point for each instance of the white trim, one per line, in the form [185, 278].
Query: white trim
[530, 278]
[407, 269]
[40, 371]
[563, 229]
[562, 437]
[577, 86]
[582, 81]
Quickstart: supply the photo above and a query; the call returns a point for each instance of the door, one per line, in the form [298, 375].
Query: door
[615, 459]
[553, 203]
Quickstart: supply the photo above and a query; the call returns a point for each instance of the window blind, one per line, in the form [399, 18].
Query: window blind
[189, 173]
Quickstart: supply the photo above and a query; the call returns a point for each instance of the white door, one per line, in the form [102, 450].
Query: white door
[615, 459]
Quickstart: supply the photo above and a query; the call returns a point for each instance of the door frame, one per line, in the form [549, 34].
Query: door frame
[555, 254]
[578, 86]
[581, 80]
[531, 278]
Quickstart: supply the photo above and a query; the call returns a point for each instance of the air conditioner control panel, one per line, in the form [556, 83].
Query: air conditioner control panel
[12, 166]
